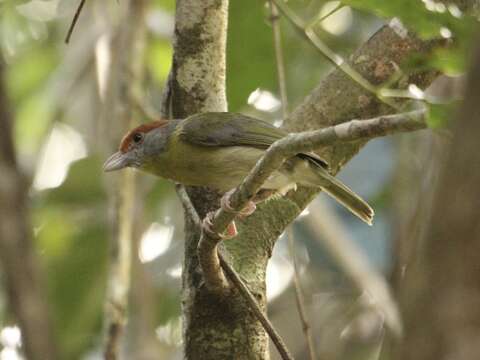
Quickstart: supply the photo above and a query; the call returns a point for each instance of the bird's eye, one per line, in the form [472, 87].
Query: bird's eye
[137, 138]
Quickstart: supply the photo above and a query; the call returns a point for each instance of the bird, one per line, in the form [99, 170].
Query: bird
[218, 150]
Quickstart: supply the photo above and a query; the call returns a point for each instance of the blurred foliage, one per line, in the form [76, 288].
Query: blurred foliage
[247, 68]
[251, 64]
[439, 115]
[430, 19]
[426, 18]
[73, 240]
[159, 53]
[80, 188]
[70, 221]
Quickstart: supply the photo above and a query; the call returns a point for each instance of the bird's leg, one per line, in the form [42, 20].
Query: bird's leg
[248, 210]
[207, 224]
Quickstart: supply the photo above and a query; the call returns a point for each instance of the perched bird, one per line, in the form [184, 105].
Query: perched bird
[218, 150]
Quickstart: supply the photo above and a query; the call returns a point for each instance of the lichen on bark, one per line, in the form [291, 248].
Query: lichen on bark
[214, 327]
[199, 58]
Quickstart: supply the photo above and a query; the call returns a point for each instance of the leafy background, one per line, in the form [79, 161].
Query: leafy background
[54, 90]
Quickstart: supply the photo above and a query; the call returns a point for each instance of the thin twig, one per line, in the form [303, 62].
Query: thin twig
[299, 298]
[236, 280]
[74, 21]
[306, 30]
[187, 205]
[253, 304]
[277, 42]
[282, 84]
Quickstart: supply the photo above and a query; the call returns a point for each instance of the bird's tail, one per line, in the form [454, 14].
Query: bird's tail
[347, 198]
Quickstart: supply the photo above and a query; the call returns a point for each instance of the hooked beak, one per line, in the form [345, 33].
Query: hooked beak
[117, 161]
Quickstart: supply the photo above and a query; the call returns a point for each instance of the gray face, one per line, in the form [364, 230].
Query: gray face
[142, 147]
[155, 141]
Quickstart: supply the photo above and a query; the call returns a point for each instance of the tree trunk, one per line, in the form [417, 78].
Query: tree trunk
[23, 278]
[215, 328]
[441, 290]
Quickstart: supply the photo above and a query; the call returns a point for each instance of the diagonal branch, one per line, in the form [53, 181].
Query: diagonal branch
[74, 21]
[273, 159]
[300, 299]
[253, 305]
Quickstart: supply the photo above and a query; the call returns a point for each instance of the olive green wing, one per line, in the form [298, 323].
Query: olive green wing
[229, 129]
[233, 129]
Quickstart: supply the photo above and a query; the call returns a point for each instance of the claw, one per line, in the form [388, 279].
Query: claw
[248, 210]
[207, 224]
[225, 202]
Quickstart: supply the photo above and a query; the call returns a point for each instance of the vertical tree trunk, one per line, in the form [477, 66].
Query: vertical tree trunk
[441, 290]
[23, 278]
[214, 328]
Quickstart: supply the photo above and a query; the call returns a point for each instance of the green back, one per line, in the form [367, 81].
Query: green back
[229, 129]
[233, 129]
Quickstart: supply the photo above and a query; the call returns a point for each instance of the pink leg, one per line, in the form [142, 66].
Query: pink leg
[229, 233]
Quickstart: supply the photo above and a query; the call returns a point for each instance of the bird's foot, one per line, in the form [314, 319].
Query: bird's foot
[207, 224]
[248, 210]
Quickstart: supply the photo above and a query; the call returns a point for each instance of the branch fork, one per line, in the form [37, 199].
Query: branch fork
[273, 159]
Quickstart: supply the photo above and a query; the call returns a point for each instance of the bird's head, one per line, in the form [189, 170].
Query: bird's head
[139, 145]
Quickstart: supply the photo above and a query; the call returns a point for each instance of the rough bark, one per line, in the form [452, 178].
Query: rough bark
[199, 60]
[214, 327]
[218, 328]
[23, 275]
[441, 292]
